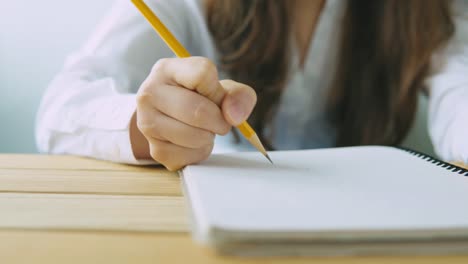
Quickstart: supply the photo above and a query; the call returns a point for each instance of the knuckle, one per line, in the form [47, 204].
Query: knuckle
[146, 129]
[143, 97]
[201, 111]
[173, 166]
[209, 137]
[205, 151]
[203, 139]
[160, 65]
[206, 69]
[160, 154]
[225, 129]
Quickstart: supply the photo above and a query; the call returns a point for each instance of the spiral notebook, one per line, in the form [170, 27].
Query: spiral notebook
[342, 201]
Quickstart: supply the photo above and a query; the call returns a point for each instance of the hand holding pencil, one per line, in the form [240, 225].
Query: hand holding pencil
[182, 105]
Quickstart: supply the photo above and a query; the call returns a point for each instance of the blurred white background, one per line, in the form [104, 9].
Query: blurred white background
[35, 37]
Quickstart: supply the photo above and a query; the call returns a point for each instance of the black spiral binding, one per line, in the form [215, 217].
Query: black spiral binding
[437, 162]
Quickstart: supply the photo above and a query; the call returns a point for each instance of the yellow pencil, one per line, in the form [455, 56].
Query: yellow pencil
[181, 52]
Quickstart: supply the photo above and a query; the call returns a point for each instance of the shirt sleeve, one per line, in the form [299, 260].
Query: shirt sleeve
[448, 103]
[87, 108]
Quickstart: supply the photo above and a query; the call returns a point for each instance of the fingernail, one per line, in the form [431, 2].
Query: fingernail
[237, 113]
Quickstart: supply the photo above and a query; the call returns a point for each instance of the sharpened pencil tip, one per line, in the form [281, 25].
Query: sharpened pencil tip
[255, 141]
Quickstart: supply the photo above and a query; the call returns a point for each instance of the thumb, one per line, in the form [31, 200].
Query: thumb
[238, 102]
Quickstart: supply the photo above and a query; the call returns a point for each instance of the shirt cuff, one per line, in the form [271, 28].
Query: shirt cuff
[122, 117]
[459, 142]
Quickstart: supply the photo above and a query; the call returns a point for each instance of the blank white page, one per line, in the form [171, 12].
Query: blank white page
[326, 190]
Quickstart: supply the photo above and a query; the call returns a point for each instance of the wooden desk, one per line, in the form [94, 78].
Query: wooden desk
[47, 204]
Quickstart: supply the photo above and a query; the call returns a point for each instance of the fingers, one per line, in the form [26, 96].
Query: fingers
[186, 106]
[195, 73]
[159, 126]
[171, 142]
[164, 152]
[238, 103]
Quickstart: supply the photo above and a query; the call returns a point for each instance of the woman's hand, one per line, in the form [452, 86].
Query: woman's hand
[181, 106]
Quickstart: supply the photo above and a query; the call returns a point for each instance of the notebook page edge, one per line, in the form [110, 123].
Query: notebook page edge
[200, 228]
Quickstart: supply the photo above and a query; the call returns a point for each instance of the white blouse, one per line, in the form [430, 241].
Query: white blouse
[88, 106]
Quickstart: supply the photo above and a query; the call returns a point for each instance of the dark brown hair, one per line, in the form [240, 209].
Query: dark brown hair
[385, 54]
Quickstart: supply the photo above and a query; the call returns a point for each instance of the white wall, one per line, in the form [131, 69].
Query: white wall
[35, 37]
